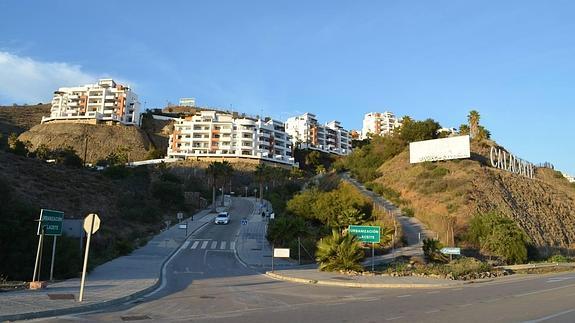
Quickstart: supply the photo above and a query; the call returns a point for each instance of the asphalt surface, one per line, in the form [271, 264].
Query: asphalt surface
[210, 284]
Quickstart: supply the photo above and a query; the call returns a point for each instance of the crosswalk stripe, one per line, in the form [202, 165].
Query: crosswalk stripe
[204, 244]
[195, 244]
[214, 244]
[223, 245]
[233, 245]
[186, 244]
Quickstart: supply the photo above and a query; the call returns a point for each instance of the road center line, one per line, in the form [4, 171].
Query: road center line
[552, 316]
[394, 318]
[543, 290]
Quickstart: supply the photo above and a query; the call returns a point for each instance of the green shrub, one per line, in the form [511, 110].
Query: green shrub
[558, 258]
[431, 251]
[498, 235]
[337, 252]
[408, 212]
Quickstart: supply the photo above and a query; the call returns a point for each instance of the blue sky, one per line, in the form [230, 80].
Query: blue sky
[513, 61]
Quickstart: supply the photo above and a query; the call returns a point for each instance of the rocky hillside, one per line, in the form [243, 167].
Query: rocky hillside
[17, 119]
[102, 139]
[457, 190]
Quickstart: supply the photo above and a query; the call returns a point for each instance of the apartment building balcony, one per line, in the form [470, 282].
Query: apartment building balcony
[109, 104]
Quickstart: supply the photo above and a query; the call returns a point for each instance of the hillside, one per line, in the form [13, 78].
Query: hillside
[102, 139]
[544, 207]
[17, 119]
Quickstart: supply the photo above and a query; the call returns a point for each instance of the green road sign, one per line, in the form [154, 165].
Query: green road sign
[51, 221]
[365, 233]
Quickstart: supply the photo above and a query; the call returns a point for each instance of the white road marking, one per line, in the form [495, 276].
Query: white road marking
[465, 305]
[543, 290]
[204, 244]
[434, 292]
[403, 296]
[195, 245]
[233, 245]
[394, 318]
[552, 316]
[223, 245]
[559, 279]
[432, 311]
[186, 244]
[214, 244]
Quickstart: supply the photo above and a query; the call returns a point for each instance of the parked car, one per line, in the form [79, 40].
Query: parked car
[222, 218]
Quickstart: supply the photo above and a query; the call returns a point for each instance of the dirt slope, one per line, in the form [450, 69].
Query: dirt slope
[544, 206]
[102, 139]
[18, 119]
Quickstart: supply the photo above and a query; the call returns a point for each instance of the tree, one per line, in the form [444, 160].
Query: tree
[17, 146]
[498, 235]
[431, 251]
[43, 152]
[350, 216]
[226, 172]
[339, 252]
[464, 129]
[214, 170]
[262, 174]
[411, 131]
[473, 120]
[68, 157]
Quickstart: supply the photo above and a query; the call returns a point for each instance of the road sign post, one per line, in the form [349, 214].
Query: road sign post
[49, 224]
[367, 234]
[279, 253]
[91, 225]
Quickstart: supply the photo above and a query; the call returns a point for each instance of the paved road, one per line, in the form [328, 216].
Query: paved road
[412, 227]
[207, 283]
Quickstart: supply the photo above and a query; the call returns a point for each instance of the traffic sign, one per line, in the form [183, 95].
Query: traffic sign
[51, 221]
[281, 252]
[183, 226]
[244, 222]
[180, 215]
[91, 221]
[451, 251]
[365, 233]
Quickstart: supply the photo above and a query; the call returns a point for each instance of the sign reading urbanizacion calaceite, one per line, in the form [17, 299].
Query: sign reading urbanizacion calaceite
[504, 160]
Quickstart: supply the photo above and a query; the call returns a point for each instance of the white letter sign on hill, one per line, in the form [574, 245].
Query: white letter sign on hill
[439, 149]
[506, 161]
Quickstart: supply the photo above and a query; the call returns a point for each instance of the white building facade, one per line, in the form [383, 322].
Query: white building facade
[379, 123]
[217, 134]
[104, 102]
[306, 132]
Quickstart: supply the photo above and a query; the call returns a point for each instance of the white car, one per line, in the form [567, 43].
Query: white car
[222, 218]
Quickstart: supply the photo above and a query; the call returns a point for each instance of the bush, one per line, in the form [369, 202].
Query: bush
[431, 251]
[500, 236]
[558, 258]
[337, 252]
[408, 212]
[168, 193]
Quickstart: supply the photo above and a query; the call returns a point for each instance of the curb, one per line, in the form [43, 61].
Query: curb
[100, 305]
[359, 285]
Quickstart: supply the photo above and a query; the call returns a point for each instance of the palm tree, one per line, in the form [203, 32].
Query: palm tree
[473, 119]
[339, 252]
[214, 170]
[226, 172]
[262, 174]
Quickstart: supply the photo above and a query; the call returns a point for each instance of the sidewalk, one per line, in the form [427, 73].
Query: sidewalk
[254, 251]
[316, 277]
[252, 247]
[117, 281]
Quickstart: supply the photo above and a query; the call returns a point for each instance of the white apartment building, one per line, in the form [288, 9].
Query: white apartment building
[379, 123]
[217, 134]
[104, 102]
[306, 132]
